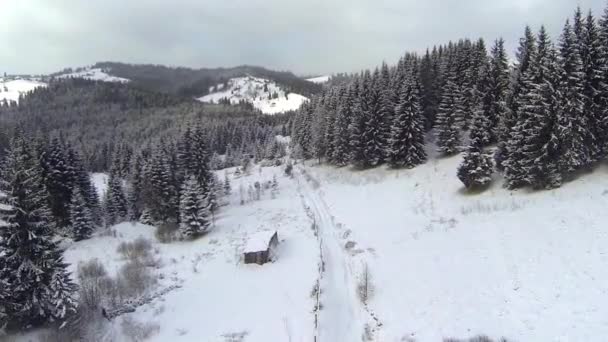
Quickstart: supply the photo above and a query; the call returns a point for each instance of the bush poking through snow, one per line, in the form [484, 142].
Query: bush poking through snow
[139, 249]
[134, 279]
[365, 287]
[166, 232]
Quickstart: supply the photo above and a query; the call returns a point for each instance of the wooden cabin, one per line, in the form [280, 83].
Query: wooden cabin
[261, 247]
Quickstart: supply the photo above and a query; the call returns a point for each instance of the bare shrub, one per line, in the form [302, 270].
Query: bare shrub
[138, 331]
[134, 279]
[365, 287]
[167, 232]
[139, 249]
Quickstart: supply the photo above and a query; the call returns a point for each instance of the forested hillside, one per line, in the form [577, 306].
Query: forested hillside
[196, 82]
[100, 118]
[540, 122]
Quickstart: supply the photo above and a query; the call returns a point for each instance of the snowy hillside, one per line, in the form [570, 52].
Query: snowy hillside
[95, 74]
[320, 79]
[11, 89]
[265, 95]
[391, 255]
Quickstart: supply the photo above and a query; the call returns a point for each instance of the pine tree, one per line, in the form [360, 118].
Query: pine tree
[536, 134]
[407, 136]
[80, 217]
[573, 124]
[449, 115]
[341, 150]
[30, 263]
[193, 209]
[135, 195]
[59, 179]
[593, 63]
[85, 185]
[477, 167]
[602, 94]
[525, 53]
[116, 202]
[356, 125]
[373, 134]
[495, 86]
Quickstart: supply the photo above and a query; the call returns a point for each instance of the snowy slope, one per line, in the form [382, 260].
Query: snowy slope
[319, 80]
[95, 74]
[529, 266]
[11, 89]
[258, 91]
[220, 296]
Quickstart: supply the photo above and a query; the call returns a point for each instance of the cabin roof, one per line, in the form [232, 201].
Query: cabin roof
[259, 241]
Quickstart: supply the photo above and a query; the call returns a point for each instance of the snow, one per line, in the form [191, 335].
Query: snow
[10, 90]
[441, 262]
[252, 89]
[445, 263]
[320, 79]
[100, 182]
[259, 241]
[94, 74]
[221, 296]
[283, 139]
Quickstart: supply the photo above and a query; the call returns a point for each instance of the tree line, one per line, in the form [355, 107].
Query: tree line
[538, 121]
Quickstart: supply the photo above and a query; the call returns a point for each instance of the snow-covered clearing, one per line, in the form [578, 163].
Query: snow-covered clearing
[320, 79]
[11, 90]
[257, 91]
[220, 297]
[94, 74]
[529, 266]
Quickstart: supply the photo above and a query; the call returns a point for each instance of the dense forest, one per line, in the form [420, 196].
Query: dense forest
[539, 121]
[100, 118]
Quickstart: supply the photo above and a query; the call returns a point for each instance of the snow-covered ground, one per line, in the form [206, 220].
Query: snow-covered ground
[320, 79]
[439, 262]
[11, 89]
[258, 91]
[220, 296]
[100, 182]
[529, 266]
[95, 74]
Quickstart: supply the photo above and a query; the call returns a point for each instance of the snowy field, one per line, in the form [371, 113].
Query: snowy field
[528, 266]
[320, 79]
[398, 256]
[258, 91]
[10, 90]
[220, 298]
[94, 74]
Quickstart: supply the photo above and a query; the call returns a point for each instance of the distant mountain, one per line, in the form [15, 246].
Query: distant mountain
[198, 82]
[265, 95]
[91, 73]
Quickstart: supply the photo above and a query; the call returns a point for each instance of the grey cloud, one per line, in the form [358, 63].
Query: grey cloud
[306, 36]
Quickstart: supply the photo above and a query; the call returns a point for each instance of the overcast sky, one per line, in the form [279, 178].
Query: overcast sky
[304, 36]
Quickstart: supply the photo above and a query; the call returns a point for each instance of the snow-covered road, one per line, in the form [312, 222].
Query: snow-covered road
[340, 315]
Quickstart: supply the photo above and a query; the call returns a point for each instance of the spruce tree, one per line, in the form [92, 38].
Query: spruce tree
[80, 217]
[373, 134]
[525, 52]
[407, 136]
[31, 264]
[193, 209]
[449, 115]
[573, 124]
[593, 64]
[476, 169]
[116, 202]
[356, 125]
[495, 86]
[59, 179]
[535, 138]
